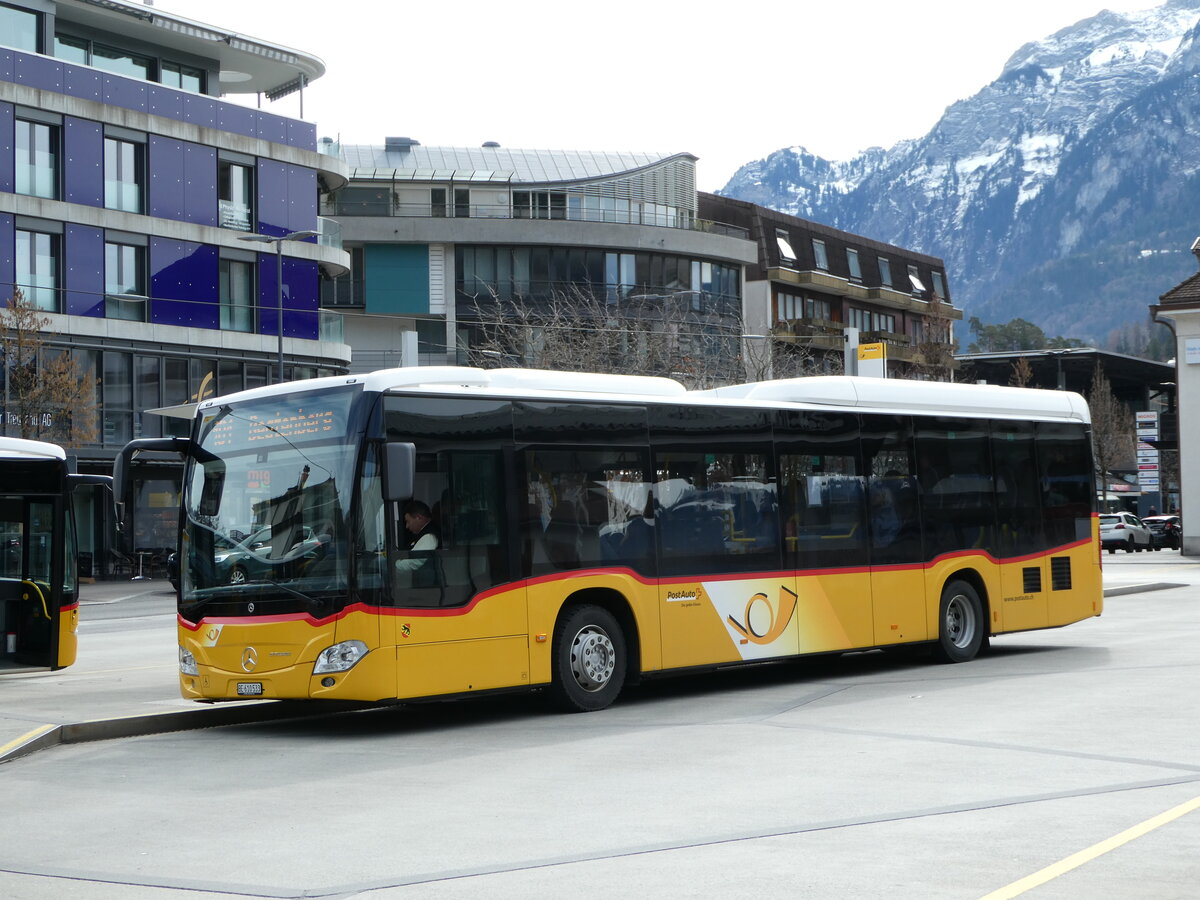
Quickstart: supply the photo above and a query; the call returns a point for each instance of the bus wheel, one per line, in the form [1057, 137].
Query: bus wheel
[960, 623]
[589, 659]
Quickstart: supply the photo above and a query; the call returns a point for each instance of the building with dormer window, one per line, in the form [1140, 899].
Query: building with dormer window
[809, 283]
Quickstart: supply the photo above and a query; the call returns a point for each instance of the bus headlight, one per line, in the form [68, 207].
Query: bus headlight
[340, 657]
[187, 662]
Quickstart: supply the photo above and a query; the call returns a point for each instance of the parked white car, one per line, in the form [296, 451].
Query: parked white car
[1123, 531]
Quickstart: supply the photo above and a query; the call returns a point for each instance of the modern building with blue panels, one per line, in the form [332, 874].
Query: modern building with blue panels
[149, 220]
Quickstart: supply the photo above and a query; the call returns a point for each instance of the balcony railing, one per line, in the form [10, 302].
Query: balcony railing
[331, 327]
[329, 233]
[206, 315]
[384, 206]
[884, 337]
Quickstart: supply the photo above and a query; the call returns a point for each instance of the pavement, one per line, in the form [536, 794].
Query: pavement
[125, 680]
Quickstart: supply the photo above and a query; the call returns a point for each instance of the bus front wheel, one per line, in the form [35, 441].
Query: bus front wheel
[960, 623]
[589, 659]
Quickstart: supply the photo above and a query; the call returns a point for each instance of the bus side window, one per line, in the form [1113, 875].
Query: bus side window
[957, 491]
[1018, 494]
[1068, 497]
[821, 489]
[586, 508]
[716, 511]
[893, 506]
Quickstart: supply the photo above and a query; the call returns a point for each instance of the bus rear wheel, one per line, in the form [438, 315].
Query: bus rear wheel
[960, 623]
[589, 659]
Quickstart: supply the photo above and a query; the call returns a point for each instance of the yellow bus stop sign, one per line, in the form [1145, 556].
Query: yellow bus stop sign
[872, 351]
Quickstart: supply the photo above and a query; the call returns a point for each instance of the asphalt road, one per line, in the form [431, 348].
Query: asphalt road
[1063, 764]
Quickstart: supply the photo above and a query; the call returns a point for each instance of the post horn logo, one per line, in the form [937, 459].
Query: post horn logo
[777, 617]
[249, 659]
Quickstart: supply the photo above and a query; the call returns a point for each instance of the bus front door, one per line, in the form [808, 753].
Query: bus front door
[29, 603]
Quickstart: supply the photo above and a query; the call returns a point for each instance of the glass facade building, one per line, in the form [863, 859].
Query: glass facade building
[435, 231]
[126, 185]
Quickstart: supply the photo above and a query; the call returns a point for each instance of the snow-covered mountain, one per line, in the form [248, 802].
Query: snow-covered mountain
[1065, 192]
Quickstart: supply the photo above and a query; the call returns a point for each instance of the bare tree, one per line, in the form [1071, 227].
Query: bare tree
[1112, 426]
[933, 357]
[49, 395]
[577, 330]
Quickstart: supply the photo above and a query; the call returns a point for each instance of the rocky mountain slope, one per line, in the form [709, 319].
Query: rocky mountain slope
[1064, 192]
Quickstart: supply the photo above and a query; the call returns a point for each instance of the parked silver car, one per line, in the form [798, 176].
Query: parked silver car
[1123, 531]
[253, 559]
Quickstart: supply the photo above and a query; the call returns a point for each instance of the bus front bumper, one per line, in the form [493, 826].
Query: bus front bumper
[371, 678]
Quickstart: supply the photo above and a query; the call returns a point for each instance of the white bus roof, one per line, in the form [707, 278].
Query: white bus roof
[866, 394]
[894, 394]
[20, 448]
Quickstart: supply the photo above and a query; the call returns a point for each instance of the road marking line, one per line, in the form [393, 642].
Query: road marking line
[25, 738]
[1093, 852]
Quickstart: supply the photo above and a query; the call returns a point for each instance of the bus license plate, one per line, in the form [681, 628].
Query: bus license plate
[249, 688]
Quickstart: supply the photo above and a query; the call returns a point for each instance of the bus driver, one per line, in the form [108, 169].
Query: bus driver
[422, 537]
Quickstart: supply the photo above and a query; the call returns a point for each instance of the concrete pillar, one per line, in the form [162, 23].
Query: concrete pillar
[1184, 320]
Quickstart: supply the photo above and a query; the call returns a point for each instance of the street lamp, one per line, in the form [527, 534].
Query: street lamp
[278, 242]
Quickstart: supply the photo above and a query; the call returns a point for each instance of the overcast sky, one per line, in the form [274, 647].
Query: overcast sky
[729, 82]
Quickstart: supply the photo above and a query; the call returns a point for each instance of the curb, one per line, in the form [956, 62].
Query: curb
[1141, 588]
[162, 723]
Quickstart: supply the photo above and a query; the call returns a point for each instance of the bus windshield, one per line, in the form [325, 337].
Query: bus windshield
[266, 505]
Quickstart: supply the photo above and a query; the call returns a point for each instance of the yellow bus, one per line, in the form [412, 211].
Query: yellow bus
[583, 531]
[39, 584]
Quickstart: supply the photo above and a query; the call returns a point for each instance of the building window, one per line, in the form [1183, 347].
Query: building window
[939, 284]
[462, 202]
[788, 307]
[20, 28]
[820, 259]
[553, 205]
[786, 253]
[235, 194]
[852, 262]
[237, 295]
[437, 202]
[885, 272]
[915, 280]
[916, 330]
[147, 395]
[363, 201]
[37, 269]
[125, 282]
[124, 174]
[37, 159]
[116, 386]
[72, 49]
[121, 62]
[885, 322]
[791, 306]
[186, 78]
[522, 208]
[859, 318]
